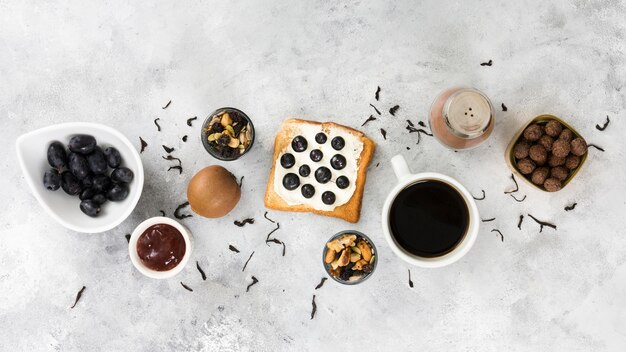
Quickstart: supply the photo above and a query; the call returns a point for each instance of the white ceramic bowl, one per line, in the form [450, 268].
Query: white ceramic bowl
[134, 257]
[32, 149]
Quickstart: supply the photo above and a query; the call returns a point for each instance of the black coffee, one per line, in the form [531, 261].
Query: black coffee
[429, 218]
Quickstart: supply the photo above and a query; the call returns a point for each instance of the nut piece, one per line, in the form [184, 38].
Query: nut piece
[359, 265]
[330, 256]
[226, 120]
[578, 146]
[553, 128]
[554, 160]
[539, 176]
[335, 265]
[366, 251]
[526, 166]
[234, 143]
[521, 149]
[355, 257]
[538, 154]
[559, 172]
[552, 185]
[335, 245]
[344, 259]
[572, 161]
[335, 272]
[347, 240]
[533, 132]
[561, 147]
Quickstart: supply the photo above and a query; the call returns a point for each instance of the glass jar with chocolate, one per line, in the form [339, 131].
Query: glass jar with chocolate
[462, 118]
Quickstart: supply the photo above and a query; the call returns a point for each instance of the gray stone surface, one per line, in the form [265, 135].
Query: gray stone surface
[118, 63]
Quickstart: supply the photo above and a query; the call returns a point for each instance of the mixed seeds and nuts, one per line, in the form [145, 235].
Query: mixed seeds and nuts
[349, 257]
[229, 133]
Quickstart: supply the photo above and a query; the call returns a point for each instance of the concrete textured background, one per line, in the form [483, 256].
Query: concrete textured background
[119, 62]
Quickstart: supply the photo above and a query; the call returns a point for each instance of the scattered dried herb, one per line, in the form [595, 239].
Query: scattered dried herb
[268, 219]
[384, 133]
[518, 200]
[190, 120]
[157, 124]
[606, 123]
[483, 197]
[410, 123]
[516, 185]
[377, 164]
[127, 237]
[143, 144]
[170, 158]
[487, 220]
[519, 224]
[504, 107]
[369, 119]
[271, 232]
[241, 181]
[233, 248]
[254, 281]
[411, 128]
[321, 283]
[185, 138]
[162, 212]
[488, 63]
[421, 123]
[201, 271]
[246, 264]
[410, 282]
[408, 148]
[499, 233]
[542, 223]
[376, 109]
[314, 308]
[176, 167]
[166, 105]
[179, 216]
[167, 149]
[394, 109]
[243, 222]
[78, 296]
[186, 287]
[595, 146]
[377, 96]
[570, 207]
[277, 241]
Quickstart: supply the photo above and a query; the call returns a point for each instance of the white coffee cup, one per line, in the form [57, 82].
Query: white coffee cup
[405, 179]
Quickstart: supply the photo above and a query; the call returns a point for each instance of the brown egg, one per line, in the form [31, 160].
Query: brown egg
[213, 192]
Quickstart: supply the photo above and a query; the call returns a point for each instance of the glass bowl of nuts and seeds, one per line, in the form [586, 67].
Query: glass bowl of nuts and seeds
[349, 257]
[227, 134]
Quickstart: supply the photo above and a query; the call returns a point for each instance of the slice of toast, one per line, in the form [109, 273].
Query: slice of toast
[350, 208]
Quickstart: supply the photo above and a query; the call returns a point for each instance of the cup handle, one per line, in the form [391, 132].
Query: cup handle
[400, 167]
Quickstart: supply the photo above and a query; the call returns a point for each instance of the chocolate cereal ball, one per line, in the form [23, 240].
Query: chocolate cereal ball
[572, 161]
[566, 135]
[546, 141]
[554, 160]
[526, 166]
[533, 132]
[561, 147]
[521, 149]
[559, 172]
[553, 128]
[552, 185]
[578, 146]
[538, 154]
[540, 175]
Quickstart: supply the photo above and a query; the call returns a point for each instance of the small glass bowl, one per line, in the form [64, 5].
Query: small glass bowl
[204, 135]
[365, 276]
[509, 154]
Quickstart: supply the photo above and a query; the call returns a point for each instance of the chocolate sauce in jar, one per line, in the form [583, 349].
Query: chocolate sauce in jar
[161, 247]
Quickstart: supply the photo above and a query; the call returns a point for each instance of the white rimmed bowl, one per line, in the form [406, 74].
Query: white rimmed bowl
[32, 149]
[134, 257]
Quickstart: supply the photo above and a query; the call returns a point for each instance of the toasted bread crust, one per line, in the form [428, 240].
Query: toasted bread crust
[349, 211]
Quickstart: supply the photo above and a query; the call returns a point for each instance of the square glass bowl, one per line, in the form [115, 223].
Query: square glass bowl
[509, 154]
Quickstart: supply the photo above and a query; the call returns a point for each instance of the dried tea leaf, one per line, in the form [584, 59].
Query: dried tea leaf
[177, 214]
[321, 283]
[186, 287]
[166, 105]
[78, 296]
[189, 121]
[201, 271]
[243, 222]
[157, 124]
[167, 149]
[254, 281]
[143, 145]
[394, 109]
